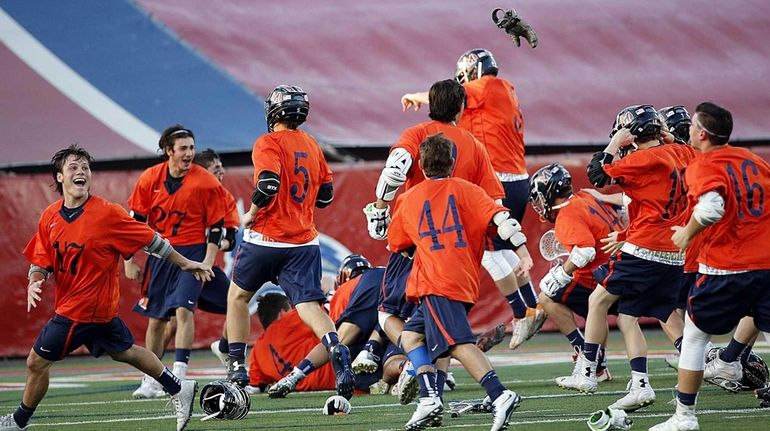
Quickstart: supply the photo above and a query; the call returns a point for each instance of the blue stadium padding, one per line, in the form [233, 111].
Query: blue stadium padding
[145, 68]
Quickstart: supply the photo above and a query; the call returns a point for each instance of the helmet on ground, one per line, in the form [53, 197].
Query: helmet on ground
[221, 399]
[546, 185]
[755, 372]
[286, 104]
[351, 267]
[474, 64]
[677, 121]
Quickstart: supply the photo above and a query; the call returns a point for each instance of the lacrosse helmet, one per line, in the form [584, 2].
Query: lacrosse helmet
[641, 120]
[221, 399]
[351, 267]
[755, 372]
[677, 120]
[546, 185]
[474, 64]
[286, 103]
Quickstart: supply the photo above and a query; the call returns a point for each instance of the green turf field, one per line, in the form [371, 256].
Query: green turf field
[94, 394]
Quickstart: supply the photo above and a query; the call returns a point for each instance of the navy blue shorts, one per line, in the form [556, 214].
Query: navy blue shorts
[645, 288]
[688, 281]
[575, 297]
[61, 336]
[516, 198]
[394, 294]
[166, 287]
[444, 323]
[718, 302]
[213, 298]
[391, 350]
[296, 269]
[362, 307]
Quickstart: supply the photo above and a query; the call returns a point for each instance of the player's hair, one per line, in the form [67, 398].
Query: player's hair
[446, 100]
[170, 135]
[206, 157]
[716, 121]
[270, 306]
[60, 157]
[436, 156]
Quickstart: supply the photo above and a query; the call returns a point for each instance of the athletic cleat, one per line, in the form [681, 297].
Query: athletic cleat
[437, 421]
[672, 360]
[150, 388]
[502, 409]
[345, 379]
[8, 423]
[582, 379]
[365, 363]
[286, 385]
[428, 409]
[764, 396]
[236, 372]
[726, 375]
[408, 386]
[450, 384]
[604, 375]
[640, 394]
[215, 350]
[491, 338]
[180, 370]
[683, 420]
[183, 403]
[525, 328]
[379, 388]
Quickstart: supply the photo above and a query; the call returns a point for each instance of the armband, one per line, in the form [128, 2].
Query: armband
[138, 217]
[230, 237]
[40, 269]
[159, 247]
[325, 195]
[216, 233]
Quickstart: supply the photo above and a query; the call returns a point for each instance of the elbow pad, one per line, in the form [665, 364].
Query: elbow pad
[230, 237]
[216, 233]
[325, 195]
[595, 169]
[709, 209]
[158, 247]
[268, 185]
[582, 256]
[138, 217]
[393, 175]
[509, 229]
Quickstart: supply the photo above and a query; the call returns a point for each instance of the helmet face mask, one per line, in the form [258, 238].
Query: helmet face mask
[474, 64]
[546, 185]
[350, 268]
[677, 121]
[286, 104]
[221, 399]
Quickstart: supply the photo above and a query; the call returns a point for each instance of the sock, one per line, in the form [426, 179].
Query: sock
[237, 352]
[330, 340]
[678, 344]
[419, 357]
[376, 348]
[639, 364]
[440, 380]
[306, 367]
[492, 385]
[576, 339]
[732, 351]
[427, 384]
[528, 294]
[686, 399]
[169, 381]
[601, 360]
[591, 351]
[745, 354]
[517, 305]
[182, 355]
[224, 346]
[22, 415]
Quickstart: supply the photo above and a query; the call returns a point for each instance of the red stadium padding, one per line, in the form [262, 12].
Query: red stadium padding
[25, 196]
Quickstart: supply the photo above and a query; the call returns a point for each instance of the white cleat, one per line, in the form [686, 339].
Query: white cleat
[640, 394]
[523, 329]
[672, 360]
[379, 388]
[150, 388]
[502, 409]
[683, 420]
[726, 375]
[180, 370]
[183, 403]
[365, 363]
[450, 384]
[583, 377]
[8, 423]
[215, 350]
[408, 386]
[428, 409]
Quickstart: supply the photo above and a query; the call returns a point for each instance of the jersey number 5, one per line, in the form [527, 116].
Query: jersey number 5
[426, 217]
[296, 194]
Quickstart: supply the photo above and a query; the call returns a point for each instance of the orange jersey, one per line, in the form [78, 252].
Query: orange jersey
[83, 254]
[180, 215]
[341, 298]
[281, 347]
[654, 180]
[471, 159]
[739, 241]
[297, 159]
[583, 223]
[691, 254]
[232, 216]
[493, 116]
[447, 219]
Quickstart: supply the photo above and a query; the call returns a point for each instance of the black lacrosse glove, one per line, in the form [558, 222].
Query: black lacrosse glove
[516, 27]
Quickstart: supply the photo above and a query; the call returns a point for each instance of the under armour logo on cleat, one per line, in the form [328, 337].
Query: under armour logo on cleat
[588, 371]
[642, 383]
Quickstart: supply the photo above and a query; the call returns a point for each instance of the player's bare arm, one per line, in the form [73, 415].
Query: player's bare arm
[133, 271]
[611, 244]
[709, 210]
[37, 277]
[414, 100]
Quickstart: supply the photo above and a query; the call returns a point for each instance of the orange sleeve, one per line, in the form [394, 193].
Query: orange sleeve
[398, 239]
[632, 170]
[572, 232]
[488, 180]
[410, 141]
[266, 156]
[326, 171]
[232, 217]
[702, 178]
[127, 236]
[216, 208]
[37, 248]
[139, 201]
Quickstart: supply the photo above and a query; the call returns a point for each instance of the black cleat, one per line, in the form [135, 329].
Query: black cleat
[236, 372]
[346, 379]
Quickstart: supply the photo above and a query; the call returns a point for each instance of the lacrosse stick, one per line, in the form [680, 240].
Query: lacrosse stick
[550, 247]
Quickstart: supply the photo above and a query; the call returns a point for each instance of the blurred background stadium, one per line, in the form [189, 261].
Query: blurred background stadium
[110, 75]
